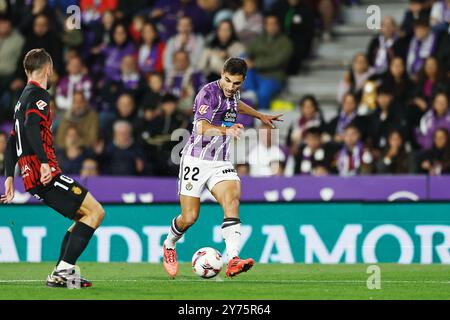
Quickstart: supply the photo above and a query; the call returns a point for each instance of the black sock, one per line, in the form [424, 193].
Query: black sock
[79, 239]
[63, 246]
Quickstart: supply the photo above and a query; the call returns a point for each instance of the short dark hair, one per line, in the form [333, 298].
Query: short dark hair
[353, 126]
[314, 131]
[36, 59]
[385, 89]
[169, 98]
[311, 98]
[235, 66]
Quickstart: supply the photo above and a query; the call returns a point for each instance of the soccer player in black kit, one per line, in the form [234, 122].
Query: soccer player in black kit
[30, 144]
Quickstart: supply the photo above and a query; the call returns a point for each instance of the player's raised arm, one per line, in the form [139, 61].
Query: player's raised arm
[244, 108]
[10, 165]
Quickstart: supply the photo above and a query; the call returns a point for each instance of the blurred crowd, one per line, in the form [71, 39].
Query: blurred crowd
[125, 80]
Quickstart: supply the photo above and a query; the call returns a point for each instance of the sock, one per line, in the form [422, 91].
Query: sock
[175, 234]
[231, 233]
[62, 265]
[63, 246]
[79, 239]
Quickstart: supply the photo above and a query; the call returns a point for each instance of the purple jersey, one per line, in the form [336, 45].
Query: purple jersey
[211, 105]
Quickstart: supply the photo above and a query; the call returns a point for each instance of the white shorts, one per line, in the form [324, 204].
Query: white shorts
[195, 174]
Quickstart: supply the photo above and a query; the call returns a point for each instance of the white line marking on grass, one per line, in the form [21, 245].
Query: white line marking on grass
[241, 281]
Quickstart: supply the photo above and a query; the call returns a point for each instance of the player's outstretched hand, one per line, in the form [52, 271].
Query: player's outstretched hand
[46, 174]
[268, 119]
[9, 191]
[235, 130]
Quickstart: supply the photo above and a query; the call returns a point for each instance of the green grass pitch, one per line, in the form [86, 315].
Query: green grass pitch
[264, 281]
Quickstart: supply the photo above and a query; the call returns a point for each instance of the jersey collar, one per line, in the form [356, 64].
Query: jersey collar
[35, 83]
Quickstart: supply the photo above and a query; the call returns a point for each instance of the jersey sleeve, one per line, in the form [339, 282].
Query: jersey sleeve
[38, 104]
[205, 103]
[10, 155]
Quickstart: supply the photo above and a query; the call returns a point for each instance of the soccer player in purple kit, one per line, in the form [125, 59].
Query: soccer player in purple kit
[205, 163]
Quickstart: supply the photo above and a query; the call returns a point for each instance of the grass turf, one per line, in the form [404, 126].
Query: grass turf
[264, 281]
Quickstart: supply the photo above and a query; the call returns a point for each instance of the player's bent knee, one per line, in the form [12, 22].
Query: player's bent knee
[100, 214]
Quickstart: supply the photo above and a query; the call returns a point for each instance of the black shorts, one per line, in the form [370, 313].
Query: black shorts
[63, 194]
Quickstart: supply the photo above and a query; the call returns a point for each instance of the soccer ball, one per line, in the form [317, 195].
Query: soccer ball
[207, 262]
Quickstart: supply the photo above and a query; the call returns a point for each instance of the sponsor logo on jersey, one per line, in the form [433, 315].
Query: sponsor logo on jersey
[203, 109]
[37, 197]
[229, 118]
[229, 171]
[76, 190]
[25, 171]
[41, 104]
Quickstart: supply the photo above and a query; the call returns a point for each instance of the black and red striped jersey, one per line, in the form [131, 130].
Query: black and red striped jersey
[33, 101]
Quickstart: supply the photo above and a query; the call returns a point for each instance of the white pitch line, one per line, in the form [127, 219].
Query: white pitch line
[242, 281]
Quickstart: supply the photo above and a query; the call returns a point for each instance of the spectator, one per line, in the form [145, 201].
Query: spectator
[38, 7]
[76, 80]
[92, 10]
[152, 93]
[398, 80]
[83, 118]
[356, 77]
[436, 159]
[346, 116]
[185, 40]
[184, 81]
[223, 45]
[248, 21]
[100, 33]
[353, 158]
[394, 158]
[327, 10]
[437, 117]
[267, 66]
[431, 79]
[310, 117]
[135, 28]
[72, 154]
[130, 78]
[384, 119]
[380, 51]
[266, 158]
[298, 25]
[151, 51]
[169, 13]
[423, 44]
[130, 81]
[122, 156]
[440, 15]
[89, 168]
[11, 43]
[3, 139]
[41, 37]
[313, 158]
[125, 109]
[417, 9]
[120, 47]
[157, 135]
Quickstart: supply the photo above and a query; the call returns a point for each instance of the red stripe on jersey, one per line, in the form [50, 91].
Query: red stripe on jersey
[30, 167]
[36, 84]
[37, 112]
